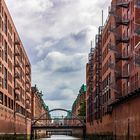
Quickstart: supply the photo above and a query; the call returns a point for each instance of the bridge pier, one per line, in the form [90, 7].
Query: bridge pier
[84, 132]
[32, 134]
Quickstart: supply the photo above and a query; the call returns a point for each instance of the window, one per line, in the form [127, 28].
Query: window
[0, 22]
[0, 67]
[12, 104]
[0, 38]
[128, 68]
[108, 94]
[5, 100]
[0, 82]
[2, 11]
[128, 49]
[1, 98]
[17, 108]
[109, 79]
[0, 52]
[5, 78]
[5, 51]
[9, 103]
[5, 24]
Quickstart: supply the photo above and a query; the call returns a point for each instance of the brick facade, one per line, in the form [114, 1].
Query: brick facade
[38, 108]
[113, 74]
[15, 78]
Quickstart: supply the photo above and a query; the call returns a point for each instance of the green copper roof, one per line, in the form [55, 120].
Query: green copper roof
[81, 92]
[82, 89]
[85, 87]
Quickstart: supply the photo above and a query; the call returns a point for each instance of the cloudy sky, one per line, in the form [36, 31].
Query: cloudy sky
[56, 35]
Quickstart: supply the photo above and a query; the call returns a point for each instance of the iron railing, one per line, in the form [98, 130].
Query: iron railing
[131, 88]
[123, 3]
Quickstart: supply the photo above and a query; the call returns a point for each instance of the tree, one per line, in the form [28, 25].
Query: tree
[82, 110]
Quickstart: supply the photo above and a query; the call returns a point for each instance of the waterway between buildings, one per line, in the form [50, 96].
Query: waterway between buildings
[61, 137]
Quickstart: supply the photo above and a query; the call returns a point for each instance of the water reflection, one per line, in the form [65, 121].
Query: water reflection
[61, 137]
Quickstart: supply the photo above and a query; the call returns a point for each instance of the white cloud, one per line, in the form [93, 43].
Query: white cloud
[59, 62]
[57, 35]
[41, 18]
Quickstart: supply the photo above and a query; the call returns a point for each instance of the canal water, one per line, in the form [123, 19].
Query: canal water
[60, 137]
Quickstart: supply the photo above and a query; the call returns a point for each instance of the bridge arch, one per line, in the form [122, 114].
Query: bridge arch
[60, 109]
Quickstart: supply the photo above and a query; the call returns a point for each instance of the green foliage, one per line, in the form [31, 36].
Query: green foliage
[82, 110]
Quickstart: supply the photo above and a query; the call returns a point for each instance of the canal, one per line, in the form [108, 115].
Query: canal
[61, 137]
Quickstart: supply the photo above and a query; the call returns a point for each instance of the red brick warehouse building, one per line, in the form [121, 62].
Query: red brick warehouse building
[113, 75]
[76, 107]
[38, 108]
[15, 79]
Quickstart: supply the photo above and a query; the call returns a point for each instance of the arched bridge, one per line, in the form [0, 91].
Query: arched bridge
[53, 124]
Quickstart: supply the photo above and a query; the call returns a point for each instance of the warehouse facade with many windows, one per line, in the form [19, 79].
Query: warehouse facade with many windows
[113, 74]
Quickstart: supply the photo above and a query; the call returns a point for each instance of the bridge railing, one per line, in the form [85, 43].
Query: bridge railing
[60, 122]
[74, 120]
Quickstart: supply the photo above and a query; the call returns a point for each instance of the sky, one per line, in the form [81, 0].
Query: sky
[56, 35]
